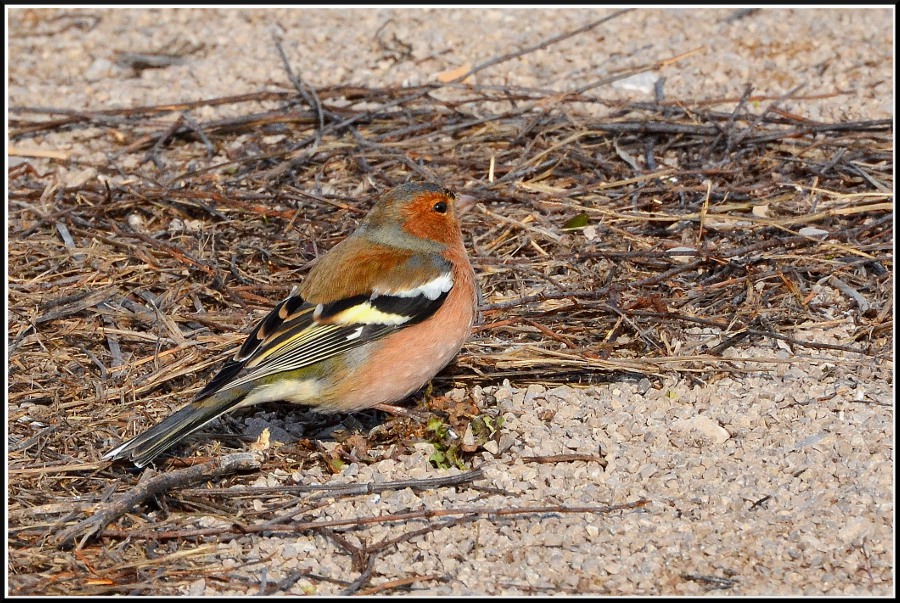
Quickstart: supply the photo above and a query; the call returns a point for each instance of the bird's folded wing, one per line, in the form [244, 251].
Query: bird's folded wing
[297, 333]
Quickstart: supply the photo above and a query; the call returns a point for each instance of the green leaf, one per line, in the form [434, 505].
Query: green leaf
[440, 461]
[438, 427]
[579, 221]
[485, 427]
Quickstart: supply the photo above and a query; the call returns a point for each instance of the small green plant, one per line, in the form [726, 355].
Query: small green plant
[446, 448]
[449, 450]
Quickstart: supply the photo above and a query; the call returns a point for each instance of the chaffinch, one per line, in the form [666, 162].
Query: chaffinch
[376, 318]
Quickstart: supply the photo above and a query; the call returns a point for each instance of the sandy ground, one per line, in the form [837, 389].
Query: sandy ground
[777, 482]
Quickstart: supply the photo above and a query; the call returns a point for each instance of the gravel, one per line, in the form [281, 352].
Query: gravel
[777, 481]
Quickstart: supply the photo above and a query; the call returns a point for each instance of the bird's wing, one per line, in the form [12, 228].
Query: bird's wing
[298, 333]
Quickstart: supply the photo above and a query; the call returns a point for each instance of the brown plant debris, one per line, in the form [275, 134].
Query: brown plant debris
[611, 239]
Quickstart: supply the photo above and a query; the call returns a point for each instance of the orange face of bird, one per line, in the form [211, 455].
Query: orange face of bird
[432, 215]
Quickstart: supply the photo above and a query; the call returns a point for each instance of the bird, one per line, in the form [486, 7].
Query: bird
[375, 319]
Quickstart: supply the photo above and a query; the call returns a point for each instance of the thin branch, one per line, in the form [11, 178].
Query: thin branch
[154, 485]
[361, 521]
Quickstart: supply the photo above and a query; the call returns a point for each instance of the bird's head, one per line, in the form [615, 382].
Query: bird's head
[425, 211]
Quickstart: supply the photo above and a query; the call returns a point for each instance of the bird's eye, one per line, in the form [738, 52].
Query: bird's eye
[440, 207]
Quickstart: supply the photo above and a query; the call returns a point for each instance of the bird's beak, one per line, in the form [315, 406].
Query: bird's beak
[464, 203]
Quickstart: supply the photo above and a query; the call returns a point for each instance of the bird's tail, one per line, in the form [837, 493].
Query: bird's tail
[162, 436]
